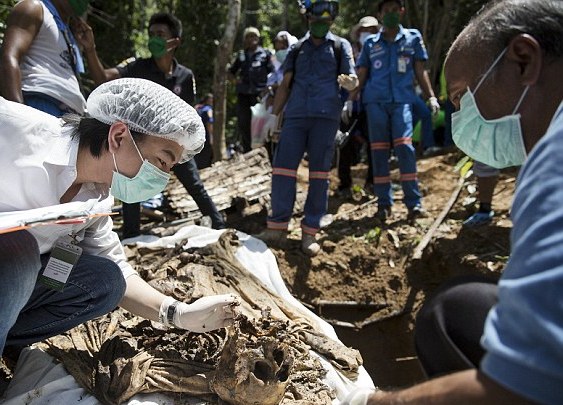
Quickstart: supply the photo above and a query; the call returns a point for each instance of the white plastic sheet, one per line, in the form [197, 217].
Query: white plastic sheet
[39, 379]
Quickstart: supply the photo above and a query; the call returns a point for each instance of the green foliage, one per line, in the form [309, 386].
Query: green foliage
[373, 235]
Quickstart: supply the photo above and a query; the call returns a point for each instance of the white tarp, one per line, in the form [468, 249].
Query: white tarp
[39, 379]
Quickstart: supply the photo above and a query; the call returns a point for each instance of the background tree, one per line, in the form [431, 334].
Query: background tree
[121, 32]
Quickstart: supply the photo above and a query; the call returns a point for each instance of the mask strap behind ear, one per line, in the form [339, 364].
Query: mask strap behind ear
[135, 145]
[115, 162]
[521, 99]
[489, 70]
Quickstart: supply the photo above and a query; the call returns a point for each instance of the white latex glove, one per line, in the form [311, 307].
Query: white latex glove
[205, 314]
[348, 82]
[434, 105]
[359, 396]
[271, 125]
[347, 111]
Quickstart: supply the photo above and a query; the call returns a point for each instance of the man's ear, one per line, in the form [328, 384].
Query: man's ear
[118, 131]
[526, 51]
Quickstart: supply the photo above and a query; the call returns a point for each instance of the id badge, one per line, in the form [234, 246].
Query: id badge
[402, 64]
[64, 257]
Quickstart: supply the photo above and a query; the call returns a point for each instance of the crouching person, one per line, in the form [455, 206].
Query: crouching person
[136, 131]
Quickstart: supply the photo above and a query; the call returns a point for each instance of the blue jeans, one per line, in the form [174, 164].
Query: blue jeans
[19, 267]
[46, 104]
[35, 312]
[188, 175]
[390, 125]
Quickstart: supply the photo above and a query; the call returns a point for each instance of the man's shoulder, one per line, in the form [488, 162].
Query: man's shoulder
[31, 10]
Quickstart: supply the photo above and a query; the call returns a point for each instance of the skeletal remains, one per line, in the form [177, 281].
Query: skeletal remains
[265, 358]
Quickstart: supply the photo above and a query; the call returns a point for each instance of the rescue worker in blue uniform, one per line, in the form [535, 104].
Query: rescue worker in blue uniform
[165, 31]
[387, 66]
[253, 64]
[313, 71]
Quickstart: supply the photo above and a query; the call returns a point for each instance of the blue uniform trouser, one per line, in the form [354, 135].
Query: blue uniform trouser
[299, 135]
[31, 312]
[421, 112]
[390, 124]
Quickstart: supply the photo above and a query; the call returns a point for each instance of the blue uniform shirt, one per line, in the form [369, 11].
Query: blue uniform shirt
[391, 66]
[254, 69]
[315, 92]
[524, 331]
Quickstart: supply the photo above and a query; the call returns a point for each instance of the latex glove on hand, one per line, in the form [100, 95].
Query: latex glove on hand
[347, 111]
[359, 396]
[433, 105]
[205, 314]
[271, 125]
[348, 82]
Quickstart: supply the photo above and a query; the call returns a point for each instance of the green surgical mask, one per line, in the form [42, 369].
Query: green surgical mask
[319, 29]
[149, 181]
[79, 6]
[391, 20]
[157, 46]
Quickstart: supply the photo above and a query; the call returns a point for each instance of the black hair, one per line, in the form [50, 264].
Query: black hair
[93, 134]
[173, 23]
[500, 21]
[382, 2]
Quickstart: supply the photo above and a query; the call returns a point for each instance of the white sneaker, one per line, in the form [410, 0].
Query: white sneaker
[309, 245]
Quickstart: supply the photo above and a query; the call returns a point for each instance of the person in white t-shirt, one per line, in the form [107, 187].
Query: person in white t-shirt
[40, 62]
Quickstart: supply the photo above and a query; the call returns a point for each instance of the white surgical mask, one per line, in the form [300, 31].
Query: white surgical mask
[499, 142]
[363, 36]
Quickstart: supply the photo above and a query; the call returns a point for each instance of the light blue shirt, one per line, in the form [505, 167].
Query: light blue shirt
[314, 92]
[524, 332]
[391, 66]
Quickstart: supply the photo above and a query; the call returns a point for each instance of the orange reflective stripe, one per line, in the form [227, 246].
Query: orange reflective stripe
[280, 171]
[380, 145]
[408, 177]
[277, 225]
[381, 179]
[308, 230]
[402, 141]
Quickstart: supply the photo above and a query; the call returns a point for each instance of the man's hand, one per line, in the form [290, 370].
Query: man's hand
[206, 314]
[348, 82]
[271, 125]
[83, 34]
[433, 105]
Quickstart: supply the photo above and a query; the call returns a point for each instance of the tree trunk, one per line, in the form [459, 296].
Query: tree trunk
[224, 51]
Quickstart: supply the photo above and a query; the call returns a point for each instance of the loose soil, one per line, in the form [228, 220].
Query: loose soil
[364, 281]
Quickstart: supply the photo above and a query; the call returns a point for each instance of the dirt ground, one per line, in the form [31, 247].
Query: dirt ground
[365, 282]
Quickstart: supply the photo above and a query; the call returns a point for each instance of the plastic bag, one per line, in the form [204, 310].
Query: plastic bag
[261, 124]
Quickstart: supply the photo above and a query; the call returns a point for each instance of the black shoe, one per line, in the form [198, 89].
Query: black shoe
[416, 212]
[383, 213]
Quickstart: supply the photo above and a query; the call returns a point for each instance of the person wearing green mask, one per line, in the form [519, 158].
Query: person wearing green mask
[314, 70]
[388, 64]
[41, 63]
[165, 32]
